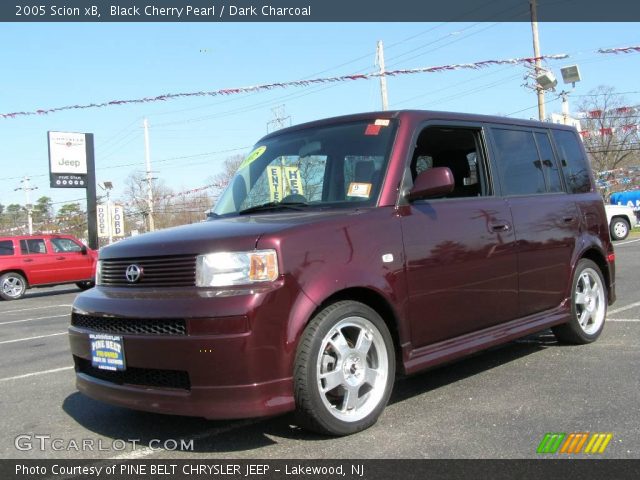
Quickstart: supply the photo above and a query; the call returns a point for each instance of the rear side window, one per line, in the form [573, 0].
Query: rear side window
[548, 164]
[574, 164]
[32, 245]
[6, 248]
[520, 168]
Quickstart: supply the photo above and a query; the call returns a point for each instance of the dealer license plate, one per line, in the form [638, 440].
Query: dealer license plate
[107, 352]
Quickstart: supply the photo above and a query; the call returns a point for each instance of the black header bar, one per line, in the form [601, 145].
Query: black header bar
[317, 11]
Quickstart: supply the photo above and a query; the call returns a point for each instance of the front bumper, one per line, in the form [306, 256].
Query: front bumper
[231, 359]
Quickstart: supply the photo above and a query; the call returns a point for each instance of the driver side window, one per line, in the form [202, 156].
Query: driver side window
[456, 149]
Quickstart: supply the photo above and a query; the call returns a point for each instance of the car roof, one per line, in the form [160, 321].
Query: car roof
[36, 235]
[422, 115]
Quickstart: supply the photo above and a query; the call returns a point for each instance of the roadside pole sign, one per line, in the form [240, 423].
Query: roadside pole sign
[72, 164]
[67, 160]
[117, 220]
[102, 212]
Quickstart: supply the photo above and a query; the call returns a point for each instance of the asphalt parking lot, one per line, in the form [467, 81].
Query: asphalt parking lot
[498, 404]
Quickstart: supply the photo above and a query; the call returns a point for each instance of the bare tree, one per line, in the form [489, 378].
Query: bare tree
[229, 169]
[610, 130]
[135, 193]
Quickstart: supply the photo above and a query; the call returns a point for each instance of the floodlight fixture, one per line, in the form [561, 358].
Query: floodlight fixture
[546, 80]
[570, 74]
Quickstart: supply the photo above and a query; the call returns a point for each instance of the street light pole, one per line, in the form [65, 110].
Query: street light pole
[147, 156]
[383, 78]
[27, 188]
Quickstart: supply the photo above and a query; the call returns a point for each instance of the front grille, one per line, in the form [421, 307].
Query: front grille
[149, 377]
[130, 326]
[170, 271]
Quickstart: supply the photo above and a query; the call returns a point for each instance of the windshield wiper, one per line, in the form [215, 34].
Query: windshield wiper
[274, 206]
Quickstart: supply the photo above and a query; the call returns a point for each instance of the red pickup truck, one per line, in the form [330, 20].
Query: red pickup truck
[44, 260]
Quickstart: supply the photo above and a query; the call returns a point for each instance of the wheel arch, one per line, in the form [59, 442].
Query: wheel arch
[598, 258]
[17, 270]
[623, 217]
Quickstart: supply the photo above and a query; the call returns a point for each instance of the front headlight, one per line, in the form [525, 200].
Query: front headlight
[222, 269]
[99, 272]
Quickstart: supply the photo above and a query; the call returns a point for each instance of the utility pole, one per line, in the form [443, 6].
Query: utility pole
[147, 156]
[536, 53]
[565, 107]
[383, 78]
[27, 188]
[279, 120]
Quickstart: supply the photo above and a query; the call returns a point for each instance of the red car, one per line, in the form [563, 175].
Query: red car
[44, 260]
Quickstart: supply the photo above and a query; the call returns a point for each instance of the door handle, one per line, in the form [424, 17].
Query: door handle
[60, 258]
[568, 219]
[28, 260]
[500, 227]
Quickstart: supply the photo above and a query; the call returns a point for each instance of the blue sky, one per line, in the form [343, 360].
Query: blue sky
[53, 65]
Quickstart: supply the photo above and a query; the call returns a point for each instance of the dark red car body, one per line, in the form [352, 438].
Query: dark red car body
[466, 274]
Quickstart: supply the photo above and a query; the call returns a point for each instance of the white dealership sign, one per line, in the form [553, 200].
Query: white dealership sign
[68, 159]
[110, 220]
[102, 212]
[117, 220]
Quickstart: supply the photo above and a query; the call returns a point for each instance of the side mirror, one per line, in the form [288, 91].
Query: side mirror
[83, 249]
[433, 182]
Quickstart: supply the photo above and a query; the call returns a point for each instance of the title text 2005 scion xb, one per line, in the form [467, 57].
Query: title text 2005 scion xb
[346, 251]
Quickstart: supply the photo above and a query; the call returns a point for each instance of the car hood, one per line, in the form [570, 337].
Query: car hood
[231, 234]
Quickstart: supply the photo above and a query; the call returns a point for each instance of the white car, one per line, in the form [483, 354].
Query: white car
[621, 219]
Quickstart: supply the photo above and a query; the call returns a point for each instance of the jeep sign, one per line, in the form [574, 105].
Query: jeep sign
[67, 160]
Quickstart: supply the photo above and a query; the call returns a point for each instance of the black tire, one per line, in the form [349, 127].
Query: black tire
[12, 286]
[85, 285]
[619, 229]
[347, 351]
[588, 306]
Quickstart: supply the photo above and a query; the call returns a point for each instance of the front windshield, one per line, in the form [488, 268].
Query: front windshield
[336, 165]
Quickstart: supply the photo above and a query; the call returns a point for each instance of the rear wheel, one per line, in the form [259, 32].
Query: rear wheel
[619, 229]
[588, 306]
[344, 369]
[12, 286]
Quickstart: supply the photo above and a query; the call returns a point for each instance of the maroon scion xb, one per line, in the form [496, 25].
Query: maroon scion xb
[343, 252]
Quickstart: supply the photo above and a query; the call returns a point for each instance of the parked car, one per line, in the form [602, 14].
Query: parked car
[343, 252]
[620, 219]
[43, 261]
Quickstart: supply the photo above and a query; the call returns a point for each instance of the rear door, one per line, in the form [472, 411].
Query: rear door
[545, 217]
[38, 263]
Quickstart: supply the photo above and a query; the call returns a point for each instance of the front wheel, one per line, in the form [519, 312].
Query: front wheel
[12, 286]
[344, 369]
[619, 229]
[588, 306]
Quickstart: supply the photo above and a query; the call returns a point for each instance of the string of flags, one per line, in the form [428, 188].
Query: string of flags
[313, 81]
[295, 83]
[609, 131]
[628, 178]
[626, 112]
[632, 49]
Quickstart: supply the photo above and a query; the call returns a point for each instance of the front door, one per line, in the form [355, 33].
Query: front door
[460, 250]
